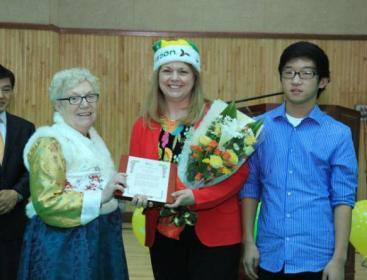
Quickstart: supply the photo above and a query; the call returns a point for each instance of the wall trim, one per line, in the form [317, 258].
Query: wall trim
[201, 34]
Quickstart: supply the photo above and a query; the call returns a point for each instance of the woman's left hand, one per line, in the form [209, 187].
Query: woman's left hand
[117, 183]
[182, 198]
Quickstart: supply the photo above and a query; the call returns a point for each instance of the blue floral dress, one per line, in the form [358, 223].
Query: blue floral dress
[90, 252]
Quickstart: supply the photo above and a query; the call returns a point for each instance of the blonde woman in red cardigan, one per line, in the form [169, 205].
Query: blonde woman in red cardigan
[209, 249]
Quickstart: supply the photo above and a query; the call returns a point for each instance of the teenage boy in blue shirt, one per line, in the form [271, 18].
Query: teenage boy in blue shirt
[305, 174]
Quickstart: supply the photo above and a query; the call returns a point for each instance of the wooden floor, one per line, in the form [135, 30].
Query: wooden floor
[138, 260]
[139, 263]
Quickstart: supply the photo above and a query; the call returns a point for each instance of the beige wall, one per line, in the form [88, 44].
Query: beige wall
[273, 16]
[30, 11]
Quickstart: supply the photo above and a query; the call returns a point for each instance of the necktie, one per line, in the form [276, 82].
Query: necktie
[2, 146]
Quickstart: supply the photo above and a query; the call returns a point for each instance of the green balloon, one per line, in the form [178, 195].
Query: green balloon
[358, 235]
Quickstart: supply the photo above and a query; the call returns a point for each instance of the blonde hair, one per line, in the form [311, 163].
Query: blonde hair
[155, 104]
[65, 80]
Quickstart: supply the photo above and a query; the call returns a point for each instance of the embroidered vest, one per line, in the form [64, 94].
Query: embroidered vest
[89, 165]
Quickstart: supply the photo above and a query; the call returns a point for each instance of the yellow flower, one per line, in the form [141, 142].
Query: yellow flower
[204, 140]
[217, 129]
[226, 170]
[233, 156]
[216, 161]
[250, 140]
[206, 160]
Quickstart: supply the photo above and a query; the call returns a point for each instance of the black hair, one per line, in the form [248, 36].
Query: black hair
[6, 73]
[310, 51]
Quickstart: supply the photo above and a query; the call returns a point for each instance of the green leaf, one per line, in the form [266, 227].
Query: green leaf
[178, 221]
[165, 212]
[256, 125]
[230, 111]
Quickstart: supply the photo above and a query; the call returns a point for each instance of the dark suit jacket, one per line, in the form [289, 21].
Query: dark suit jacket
[13, 175]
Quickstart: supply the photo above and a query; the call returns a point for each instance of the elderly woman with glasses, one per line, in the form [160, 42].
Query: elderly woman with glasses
[74, 231]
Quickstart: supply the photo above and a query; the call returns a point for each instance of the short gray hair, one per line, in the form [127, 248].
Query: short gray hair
[67, 79]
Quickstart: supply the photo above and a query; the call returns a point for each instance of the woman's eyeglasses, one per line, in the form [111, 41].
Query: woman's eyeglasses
[77, 99]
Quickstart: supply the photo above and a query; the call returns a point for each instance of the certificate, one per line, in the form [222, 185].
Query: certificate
[152, 178]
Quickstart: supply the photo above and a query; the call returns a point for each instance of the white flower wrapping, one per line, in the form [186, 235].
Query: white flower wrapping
[229, 130]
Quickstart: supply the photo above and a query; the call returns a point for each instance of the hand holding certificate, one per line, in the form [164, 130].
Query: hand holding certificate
[152, 178]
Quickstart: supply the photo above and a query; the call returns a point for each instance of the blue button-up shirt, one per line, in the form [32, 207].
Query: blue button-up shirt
[300, 174]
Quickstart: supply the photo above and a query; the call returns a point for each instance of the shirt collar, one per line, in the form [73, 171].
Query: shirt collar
[316, 114]
[3, 118]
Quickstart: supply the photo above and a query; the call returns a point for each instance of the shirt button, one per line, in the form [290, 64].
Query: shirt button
[289, 193]
[288, 215]
[290, 171]
[287, 238]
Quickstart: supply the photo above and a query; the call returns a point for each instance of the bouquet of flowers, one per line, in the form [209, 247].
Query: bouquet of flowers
[219, 146]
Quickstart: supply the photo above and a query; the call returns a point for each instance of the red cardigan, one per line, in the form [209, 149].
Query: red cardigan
[217, 207]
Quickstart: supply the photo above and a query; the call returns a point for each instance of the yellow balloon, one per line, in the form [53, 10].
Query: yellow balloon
[138, 224]
[358, 235]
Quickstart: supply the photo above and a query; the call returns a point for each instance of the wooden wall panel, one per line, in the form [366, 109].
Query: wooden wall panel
[136, 71]
[100, 54]
[232, 68]
[33, 57]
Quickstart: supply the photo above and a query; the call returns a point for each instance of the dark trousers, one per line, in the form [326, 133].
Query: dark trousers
[189, 259]
[267, 275]
[9, 258]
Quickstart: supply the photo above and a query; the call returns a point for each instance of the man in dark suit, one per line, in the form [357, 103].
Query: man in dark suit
[14, 187]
